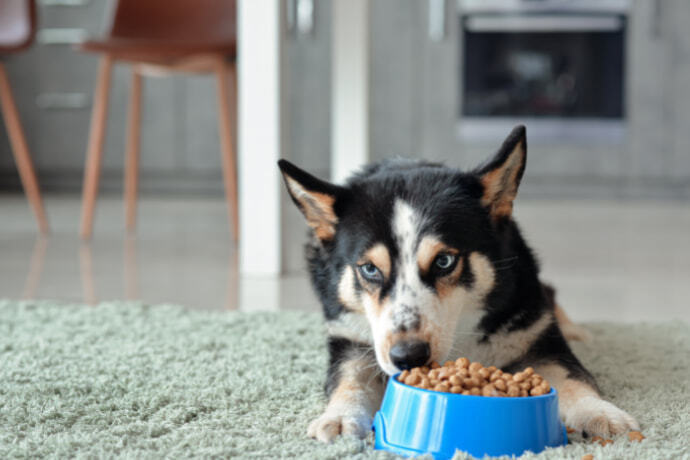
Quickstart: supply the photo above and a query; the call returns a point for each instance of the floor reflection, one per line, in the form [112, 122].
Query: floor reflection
[36, 263]
[609, 260]
[96, 270]
[86, 270]
[131, 269]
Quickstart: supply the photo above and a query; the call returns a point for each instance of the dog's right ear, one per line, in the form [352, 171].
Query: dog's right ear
[314, 197]
[502, 175]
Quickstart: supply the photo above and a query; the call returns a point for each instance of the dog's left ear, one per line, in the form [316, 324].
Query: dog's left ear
[502, 174]
[314, 197]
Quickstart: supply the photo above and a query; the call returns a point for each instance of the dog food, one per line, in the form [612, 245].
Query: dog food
[602, 442]
[463, 377]
[635, 436]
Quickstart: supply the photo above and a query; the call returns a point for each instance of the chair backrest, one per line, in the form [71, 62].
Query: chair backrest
[17, 24]
[175, 20]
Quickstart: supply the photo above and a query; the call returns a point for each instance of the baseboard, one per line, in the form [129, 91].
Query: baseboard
[112, 182]
[605, 188]
[207, 184]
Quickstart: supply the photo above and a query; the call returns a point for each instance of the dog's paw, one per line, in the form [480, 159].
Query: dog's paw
[597, 417]
[328, 426]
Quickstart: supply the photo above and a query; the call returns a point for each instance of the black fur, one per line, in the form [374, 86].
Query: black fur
[339, 349]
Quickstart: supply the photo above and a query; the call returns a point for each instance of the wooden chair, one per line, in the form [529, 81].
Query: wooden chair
[17, 31]
[163, 36]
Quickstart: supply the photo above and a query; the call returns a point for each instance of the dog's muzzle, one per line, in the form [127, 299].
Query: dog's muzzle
[409, 354]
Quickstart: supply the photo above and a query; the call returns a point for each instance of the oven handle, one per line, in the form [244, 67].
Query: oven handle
[543, 23]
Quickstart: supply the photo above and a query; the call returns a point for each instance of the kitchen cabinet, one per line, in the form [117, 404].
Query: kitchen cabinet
[416, 103]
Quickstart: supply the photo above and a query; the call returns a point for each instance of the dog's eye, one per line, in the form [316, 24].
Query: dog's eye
[444, 262]
[371, 273]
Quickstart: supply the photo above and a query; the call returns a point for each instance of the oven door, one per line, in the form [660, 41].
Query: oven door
[561, 73]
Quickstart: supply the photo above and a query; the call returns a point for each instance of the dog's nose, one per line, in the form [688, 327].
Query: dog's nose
[406, 355]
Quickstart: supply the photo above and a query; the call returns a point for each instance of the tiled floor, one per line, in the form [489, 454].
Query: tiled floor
[619, 261]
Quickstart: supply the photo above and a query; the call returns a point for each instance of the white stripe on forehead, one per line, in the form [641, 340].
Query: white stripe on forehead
[409, 291]
[406, 223]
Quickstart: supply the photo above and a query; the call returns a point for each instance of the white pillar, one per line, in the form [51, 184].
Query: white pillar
[350, 87]
[259, 136]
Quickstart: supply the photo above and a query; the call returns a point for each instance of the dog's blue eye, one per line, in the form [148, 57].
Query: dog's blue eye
[370, 272]
[444, 261]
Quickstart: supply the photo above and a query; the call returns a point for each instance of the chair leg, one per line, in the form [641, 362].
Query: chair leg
[20, 151]
[95, 148]
[227, 96]
[132, 153]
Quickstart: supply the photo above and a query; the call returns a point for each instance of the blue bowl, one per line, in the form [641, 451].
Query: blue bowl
[413, 421]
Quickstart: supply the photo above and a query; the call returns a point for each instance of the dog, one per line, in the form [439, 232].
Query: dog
[416, 262]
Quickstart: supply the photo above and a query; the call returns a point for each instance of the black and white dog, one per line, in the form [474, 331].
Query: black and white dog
[416, 262]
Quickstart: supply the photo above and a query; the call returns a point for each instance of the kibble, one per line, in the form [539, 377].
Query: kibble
[413, 379]
[472, 378]
[635, 436]
[500, 385]
[602, 442]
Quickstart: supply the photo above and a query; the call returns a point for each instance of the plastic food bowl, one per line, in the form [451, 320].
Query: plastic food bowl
[413, 421]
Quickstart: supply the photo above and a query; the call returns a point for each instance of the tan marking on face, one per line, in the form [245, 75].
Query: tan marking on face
[379, 256]
[317, 208]
[387, 344]
[346, 291]
[484, 275]
[447, 284]
[429, 248]
[432, 334]
[500, 185]
[373, 294]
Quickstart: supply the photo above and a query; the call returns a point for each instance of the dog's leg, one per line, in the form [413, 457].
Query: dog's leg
[579, 401]
[581, 406]
[570, 330]
[355, 389]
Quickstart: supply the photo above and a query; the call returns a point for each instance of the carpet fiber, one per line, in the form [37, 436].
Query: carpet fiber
[129, 380]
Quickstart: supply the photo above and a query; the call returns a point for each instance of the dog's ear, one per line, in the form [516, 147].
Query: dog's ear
[314, 197]
[501, 176]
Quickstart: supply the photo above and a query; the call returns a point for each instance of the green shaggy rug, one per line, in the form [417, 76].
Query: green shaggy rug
[129, 380]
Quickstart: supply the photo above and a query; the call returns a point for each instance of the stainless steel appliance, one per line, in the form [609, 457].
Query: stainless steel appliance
[557, 65]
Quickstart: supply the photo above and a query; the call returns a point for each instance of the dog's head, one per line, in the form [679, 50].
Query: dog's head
[410, 246]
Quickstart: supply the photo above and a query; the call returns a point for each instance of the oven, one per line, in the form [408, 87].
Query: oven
[556, 65]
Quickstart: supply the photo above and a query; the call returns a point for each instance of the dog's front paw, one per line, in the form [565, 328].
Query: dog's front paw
[597, 417]
[329, 425]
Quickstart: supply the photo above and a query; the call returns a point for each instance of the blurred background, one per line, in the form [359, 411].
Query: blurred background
[330, 85]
